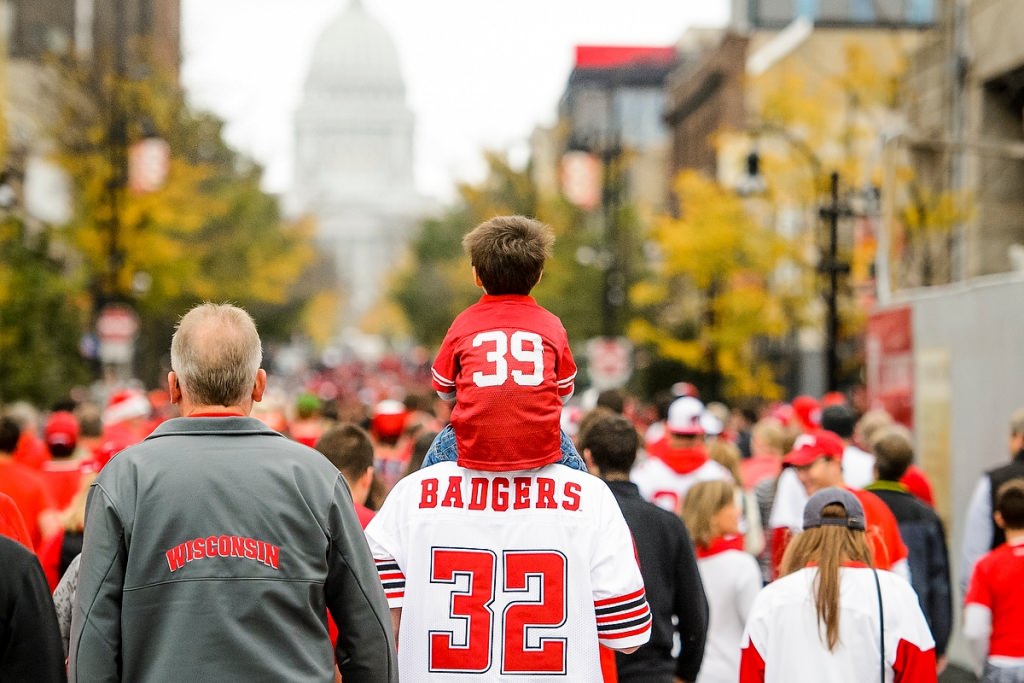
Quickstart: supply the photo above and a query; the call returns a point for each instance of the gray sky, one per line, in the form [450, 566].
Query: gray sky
[246, 60]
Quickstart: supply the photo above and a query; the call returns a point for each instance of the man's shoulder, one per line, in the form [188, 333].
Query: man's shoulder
[635, 506]
[495, 312]
[908, 507]
[263, 449]
[17, 471]
[999, 556]
[15, 556]
[1013, 468]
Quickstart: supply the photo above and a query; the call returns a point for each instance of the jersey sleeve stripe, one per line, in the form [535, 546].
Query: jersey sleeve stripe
[608, 602]
[610, 618]
[441, 379]
[620, 625]
[568, 380]
[603, 636]
[391, 578]
[623, 607]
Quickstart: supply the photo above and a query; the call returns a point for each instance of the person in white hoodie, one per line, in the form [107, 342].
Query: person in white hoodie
[731, 576]
[680, 459]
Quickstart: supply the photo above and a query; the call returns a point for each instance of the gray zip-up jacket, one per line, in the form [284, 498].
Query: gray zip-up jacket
[213, 551]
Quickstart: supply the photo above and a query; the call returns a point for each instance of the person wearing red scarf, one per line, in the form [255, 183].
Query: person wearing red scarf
[731, 577]
[679, 460]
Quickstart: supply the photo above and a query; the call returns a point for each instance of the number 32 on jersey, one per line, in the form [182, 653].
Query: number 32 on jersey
[537, 576]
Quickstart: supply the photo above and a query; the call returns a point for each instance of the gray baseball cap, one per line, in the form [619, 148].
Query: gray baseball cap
[831, 496]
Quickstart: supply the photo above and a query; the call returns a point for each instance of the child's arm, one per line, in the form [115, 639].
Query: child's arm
[977, 629]
[444, 369]
[565, 371]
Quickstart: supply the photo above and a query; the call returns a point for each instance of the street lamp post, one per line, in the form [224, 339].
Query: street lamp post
[613, 285]
[833, 268]
[829, 263]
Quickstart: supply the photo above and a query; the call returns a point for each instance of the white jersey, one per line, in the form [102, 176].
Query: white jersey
[790, 499]
[858, 467]
[665, 487]
[506, 574]
[783, 642]
[732, 580]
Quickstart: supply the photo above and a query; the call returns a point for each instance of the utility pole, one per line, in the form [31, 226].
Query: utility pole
[833, 267]
[613, 289]
[118, 139]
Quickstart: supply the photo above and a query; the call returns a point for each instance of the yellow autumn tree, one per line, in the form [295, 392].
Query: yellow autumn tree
[207, 233]
[820, 109]
[707, 300]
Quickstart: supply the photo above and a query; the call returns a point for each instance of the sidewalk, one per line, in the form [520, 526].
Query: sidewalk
[957, 674]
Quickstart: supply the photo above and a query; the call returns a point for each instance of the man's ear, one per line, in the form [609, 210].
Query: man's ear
[998, 517]
[477, 280]
[367, 477]
[588, 458]
[260, 386]
[173, 388]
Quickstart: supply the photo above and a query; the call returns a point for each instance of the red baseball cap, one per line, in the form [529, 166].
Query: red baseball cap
[61, 429]
[807, 411]
[388, 418]
[811, 447]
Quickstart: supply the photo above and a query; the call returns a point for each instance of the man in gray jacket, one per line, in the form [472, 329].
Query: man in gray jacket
[215, 548]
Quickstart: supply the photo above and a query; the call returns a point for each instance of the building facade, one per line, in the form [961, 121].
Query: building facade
[354, 157]
[965, 141]
[97, 31]
[614, 104]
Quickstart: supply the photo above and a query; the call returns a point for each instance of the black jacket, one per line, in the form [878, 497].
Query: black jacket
[998, 477]
[925, 538]
[30, 644]
[674, 588]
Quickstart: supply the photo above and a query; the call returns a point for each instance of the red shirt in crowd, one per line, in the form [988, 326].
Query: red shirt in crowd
[995, 583]
[508, 362]
[26, 486]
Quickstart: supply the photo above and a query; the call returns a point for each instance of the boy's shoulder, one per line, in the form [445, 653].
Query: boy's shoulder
[504, 311]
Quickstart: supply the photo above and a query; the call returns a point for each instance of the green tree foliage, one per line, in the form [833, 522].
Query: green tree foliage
[437, 283]
[41, 317]
[209, 233]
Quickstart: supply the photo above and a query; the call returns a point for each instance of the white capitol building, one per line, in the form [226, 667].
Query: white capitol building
[354, 157]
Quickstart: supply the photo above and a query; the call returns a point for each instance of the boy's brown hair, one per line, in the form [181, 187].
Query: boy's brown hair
[1010, 503]
[893, 447]
[508, 253]
[349, 449]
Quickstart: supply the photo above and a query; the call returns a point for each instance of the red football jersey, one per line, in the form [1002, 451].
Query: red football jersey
[995, 583]
[508, 362]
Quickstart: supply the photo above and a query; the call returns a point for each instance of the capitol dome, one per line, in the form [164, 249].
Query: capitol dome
[355, 53]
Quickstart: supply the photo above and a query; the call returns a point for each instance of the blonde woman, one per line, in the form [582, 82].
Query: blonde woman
[731, 576]
[832, 616]
[727, 454]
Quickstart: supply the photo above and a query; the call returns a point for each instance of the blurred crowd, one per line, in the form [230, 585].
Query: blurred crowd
[739, 476]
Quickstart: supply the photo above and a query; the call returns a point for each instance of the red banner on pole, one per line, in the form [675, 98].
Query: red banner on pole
[890, 363]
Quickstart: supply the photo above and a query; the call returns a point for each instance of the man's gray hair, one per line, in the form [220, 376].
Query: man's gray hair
[216, 352]
[1017, 422]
